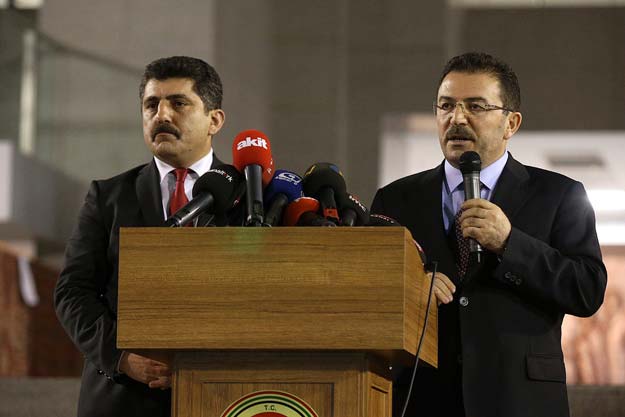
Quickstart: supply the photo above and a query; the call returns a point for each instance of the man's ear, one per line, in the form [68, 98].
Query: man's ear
[513, 123]
[218, 118]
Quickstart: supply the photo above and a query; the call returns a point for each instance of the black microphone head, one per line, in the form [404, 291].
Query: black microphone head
[348, 201]
[382, 220]
[321, 175]
[225, 183]
[470, 162]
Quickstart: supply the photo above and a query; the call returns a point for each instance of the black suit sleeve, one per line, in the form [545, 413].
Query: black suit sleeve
[566, 272]
[80, 301]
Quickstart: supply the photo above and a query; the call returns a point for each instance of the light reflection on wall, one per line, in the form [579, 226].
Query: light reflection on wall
[594, 347]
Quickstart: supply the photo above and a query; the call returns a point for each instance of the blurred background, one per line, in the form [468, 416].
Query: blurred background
[344, 81]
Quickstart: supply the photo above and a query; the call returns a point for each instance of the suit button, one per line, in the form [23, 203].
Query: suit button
[464, 301]
[507, 275]
[518, 281]
[459, 359]
[100, 372]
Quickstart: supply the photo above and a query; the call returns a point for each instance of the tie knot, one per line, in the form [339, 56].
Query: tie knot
[181, 174]
[460, 187]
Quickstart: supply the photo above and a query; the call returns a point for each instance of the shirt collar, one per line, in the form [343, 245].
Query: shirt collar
[200, 167]
[488, 176]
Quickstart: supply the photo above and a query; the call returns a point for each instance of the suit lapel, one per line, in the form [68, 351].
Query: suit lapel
[216, 161]
[149, 195]
[511, 189]
[429, 207]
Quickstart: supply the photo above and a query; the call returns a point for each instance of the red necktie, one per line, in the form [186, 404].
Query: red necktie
[178, 198]
[462, 260]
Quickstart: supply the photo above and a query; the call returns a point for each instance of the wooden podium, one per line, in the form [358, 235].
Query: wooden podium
[274, 322]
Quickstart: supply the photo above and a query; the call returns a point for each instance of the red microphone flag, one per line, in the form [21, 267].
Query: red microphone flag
[252, 147]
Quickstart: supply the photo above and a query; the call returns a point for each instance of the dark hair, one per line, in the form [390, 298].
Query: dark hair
[479, 62]
[206, 82]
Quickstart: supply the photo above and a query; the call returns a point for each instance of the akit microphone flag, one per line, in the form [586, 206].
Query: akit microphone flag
[252, 147]
[251, 155]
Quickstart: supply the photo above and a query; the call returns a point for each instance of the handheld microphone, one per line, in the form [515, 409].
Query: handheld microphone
[352, 211]
[303, 212]
[324, 181]
[470, 166]
[285, 187]
[251, 155]
[215, 191]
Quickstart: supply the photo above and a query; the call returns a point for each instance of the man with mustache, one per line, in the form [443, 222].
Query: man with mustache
[499, 347]
[181, 111]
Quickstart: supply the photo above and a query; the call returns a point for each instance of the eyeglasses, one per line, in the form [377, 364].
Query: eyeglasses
[472, 108]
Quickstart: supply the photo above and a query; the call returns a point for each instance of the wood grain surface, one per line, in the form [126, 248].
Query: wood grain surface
[272, 288]
[336, 384]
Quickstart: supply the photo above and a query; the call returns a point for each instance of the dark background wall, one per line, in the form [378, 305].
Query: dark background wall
[571, 62]
[317, 77]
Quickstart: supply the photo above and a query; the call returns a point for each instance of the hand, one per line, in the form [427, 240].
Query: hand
[148, 371]
[443, 288]
[486, 223]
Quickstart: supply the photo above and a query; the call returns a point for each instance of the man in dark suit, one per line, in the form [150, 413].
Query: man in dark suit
[500, 320]
[181, 110]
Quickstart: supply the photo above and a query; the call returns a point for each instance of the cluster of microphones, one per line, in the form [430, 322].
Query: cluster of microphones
[275, 197]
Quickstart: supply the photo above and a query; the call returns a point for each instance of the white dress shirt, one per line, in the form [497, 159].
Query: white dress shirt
[453, 191]
[168, 178]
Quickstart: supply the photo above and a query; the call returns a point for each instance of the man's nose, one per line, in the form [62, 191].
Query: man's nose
[164, 111]
[458, 115]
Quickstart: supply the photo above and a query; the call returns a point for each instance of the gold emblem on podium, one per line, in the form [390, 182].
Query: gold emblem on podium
[269, 404]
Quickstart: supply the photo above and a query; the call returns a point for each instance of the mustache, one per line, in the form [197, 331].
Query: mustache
[458, 131]
[165, 128]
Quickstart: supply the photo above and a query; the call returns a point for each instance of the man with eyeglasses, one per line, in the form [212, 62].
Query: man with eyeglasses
[499, 320]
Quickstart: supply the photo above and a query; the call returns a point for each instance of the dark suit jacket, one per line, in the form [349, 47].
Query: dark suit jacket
[502, 348]
[86, 292]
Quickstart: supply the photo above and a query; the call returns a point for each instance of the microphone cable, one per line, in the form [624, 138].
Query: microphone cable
[425, 324]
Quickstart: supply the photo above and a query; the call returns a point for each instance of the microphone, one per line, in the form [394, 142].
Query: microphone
[285, 187]
[352, 211]
[470, 166]
[324, 181]
[303, 212]
[215, 191]
[382, 220]
[251, 155]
